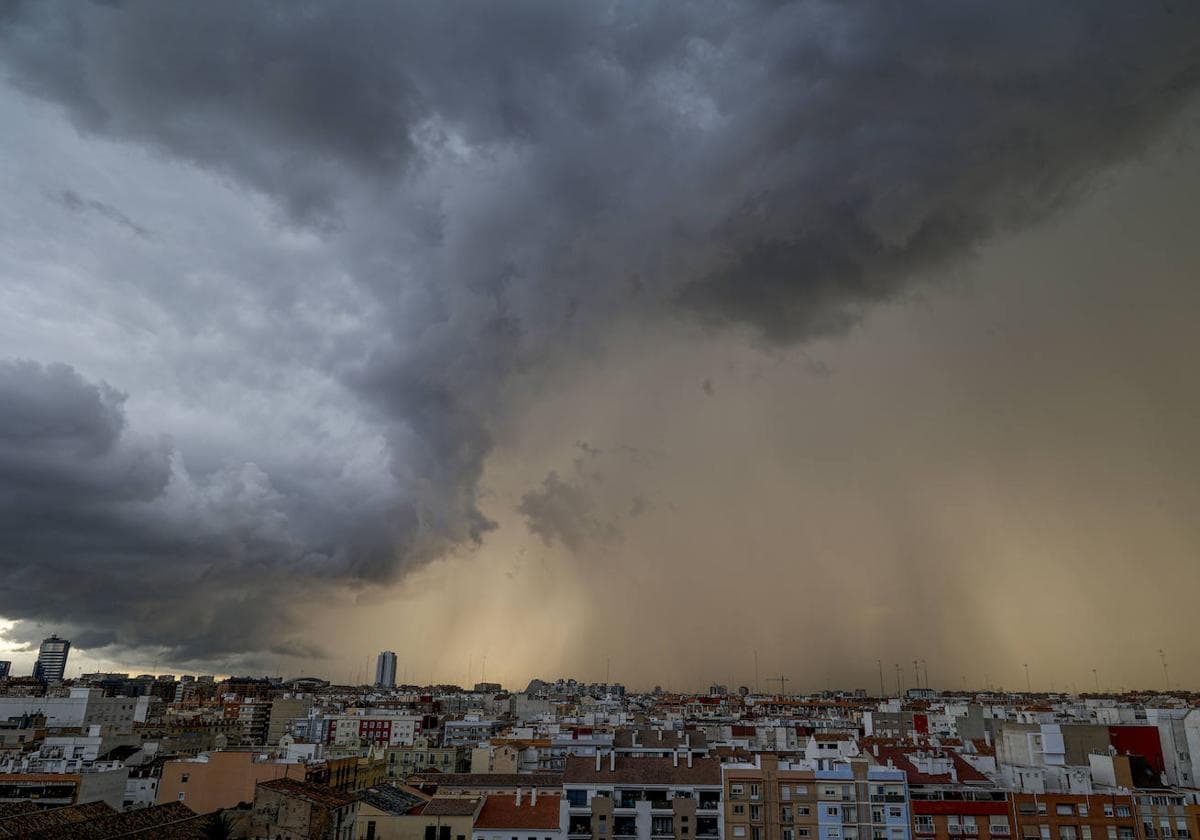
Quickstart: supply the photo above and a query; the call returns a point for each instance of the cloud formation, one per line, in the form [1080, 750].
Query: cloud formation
[486, 190]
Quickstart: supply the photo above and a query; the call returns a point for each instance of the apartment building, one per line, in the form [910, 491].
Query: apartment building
[823, 799]
[770, 799]
[423, 755]
[1063, 816]
[950, 798]
[861, 801]
[1167, 814]
[622, 797]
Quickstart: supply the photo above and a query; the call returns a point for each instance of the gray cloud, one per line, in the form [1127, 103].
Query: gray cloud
[565, 512]
[500, 185]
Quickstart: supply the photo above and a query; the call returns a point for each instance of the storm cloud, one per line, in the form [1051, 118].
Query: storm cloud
[466, 195]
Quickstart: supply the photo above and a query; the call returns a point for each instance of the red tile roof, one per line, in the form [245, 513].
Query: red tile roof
[451, 806]
[900, 759]
[504, 812]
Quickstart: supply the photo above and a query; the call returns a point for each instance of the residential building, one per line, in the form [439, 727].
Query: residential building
[382, 811]
[291, 808]
[626, 797]
[1062, 816]
[51, 663]
[525, 815]
[423, 755]
[221, 779]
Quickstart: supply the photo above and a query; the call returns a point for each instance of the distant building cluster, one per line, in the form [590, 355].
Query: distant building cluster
[166, 756]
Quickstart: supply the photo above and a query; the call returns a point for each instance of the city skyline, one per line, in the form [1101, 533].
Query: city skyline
[621, 339]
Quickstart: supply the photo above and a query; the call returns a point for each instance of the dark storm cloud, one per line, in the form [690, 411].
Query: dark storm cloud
[109, 534]
[508, 181]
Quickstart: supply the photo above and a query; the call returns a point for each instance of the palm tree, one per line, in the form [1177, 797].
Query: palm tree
[220, 827]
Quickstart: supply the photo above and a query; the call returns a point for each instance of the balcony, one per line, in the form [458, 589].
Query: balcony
[999, 830]
[971, 830]
[926, 830]
[955, 829]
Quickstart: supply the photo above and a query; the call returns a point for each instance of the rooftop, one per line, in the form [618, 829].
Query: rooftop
[503, 811]
[642, 771]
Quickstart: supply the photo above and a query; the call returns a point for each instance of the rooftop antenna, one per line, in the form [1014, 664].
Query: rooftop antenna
[882, 690]
[1166, 676]
[917, 673]
[1028, 690]
[925, 668]
[756, 672]
[1096, 677]
[898, 684]
[783, 681]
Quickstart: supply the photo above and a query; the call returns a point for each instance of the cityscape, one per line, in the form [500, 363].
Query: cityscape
[162, 755]
[599, 420]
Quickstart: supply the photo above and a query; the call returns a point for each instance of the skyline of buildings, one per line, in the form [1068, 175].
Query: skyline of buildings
[570, 760]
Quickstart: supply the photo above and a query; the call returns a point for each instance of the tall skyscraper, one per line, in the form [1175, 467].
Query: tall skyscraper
[52, 659]
[385, 670]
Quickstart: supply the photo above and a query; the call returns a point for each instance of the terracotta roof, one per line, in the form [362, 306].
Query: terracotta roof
[318, 794]
[172, 821]
[504, 812]
[451, 806]
[493, 780]
[900, 759]
[643, 771]
[36, 820]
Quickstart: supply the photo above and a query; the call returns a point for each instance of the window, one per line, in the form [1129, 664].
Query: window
[1083, 809]
[924, 823]
[739, 831]
[735, 791]
[801, 832]
[895, 813]
[739, 810]
[755, 791]
[1112, 832]
[756, 813]
[831, 811]
[1123, 811]
[803, 810]
[755, 832]
[1045, 829]
[1042, 808]
[1085, 832]
[1067, 832]
[1108, 809]
[785, 792]
[1064, 810]
[788, 834]
[183, 780]
[181, 795]
[802, 790]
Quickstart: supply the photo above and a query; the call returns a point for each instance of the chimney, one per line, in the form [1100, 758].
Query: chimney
[612, 761]
[533, 796]
[518, 796]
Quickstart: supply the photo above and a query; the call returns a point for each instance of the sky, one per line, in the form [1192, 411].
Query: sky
[640, 339]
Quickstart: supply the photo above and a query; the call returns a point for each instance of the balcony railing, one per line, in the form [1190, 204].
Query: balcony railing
[971, 830]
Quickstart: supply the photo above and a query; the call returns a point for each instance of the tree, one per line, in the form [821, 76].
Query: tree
[220, 827]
